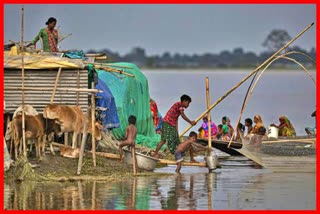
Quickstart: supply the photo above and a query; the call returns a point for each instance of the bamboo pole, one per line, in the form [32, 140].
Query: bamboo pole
[83, 142]
[210, 183]
[99, 64]
[209, 116]
[102, 154]
[55, 85]
[78, 85]
[58, 89]
[93, 196]
[244, 79]
[116, 71]
[134, 160]
[22, 85]
[171, 162]
[133, 193]
[93, 122]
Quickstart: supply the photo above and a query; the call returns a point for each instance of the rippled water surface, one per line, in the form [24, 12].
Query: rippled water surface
[231, 187]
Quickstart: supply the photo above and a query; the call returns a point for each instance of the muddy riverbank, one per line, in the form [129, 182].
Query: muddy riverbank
[58, 168]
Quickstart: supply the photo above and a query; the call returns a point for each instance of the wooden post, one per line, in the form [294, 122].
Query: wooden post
[133, 193]
[83, 142]
[78, 85]
[209, 116]
[55, 85]
[93, 196]
[247, 77]
[22, 85]
[210, 183]
[134, 160]
[93, 123]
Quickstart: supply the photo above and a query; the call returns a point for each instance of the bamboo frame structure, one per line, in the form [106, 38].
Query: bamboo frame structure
[246, 78]
[93, 122]
[58, 89]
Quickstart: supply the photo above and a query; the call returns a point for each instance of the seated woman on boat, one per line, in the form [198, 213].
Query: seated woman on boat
[223, 132]
[226, 121]
[258, 123]
[205, 128]
[285, 127]
[255, 130]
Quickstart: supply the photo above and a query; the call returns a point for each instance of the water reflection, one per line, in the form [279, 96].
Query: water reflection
[223, 189]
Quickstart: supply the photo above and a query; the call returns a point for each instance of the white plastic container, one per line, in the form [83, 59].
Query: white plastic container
[273, 133]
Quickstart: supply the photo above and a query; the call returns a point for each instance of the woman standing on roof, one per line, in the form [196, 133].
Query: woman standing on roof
[48, 37]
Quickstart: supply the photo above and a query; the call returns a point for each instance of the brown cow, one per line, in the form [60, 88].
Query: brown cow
[36, 127]
[71, 119]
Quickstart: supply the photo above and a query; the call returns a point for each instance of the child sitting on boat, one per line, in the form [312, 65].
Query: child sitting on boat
[131, 133]
[182, 148]
[223, 132]
[240, 130]
[248, 123]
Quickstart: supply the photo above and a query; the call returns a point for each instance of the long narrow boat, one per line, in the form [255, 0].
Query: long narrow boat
[235, 145]
[282, 156]
[223, 146]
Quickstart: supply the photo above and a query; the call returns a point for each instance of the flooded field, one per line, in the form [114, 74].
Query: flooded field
[235, 186]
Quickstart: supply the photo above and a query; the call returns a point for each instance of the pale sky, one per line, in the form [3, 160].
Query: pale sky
[159, 28]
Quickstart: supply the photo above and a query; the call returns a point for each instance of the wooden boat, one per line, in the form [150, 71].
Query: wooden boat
[232, 150]
[288, 156]
[223, 145]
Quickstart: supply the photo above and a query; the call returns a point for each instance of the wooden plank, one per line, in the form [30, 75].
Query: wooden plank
[171, 162]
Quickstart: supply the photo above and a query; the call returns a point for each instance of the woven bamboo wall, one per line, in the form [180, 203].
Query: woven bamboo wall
[45, 79]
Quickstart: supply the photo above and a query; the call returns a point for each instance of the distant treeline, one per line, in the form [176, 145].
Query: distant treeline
[237, 58]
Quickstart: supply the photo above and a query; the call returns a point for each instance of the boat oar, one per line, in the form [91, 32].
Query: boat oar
[244, 79]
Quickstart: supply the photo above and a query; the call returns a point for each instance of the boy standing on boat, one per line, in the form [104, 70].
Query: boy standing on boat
[131, 133]
[170, 125]
[182, 147]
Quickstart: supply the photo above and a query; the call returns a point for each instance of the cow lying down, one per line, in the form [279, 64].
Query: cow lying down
[71, 119]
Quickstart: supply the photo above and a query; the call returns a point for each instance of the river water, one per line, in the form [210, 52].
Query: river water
[278, 92]
[232, 187]
[236, 186]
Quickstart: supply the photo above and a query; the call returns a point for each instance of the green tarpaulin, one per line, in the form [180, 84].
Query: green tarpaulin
[132, 97]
